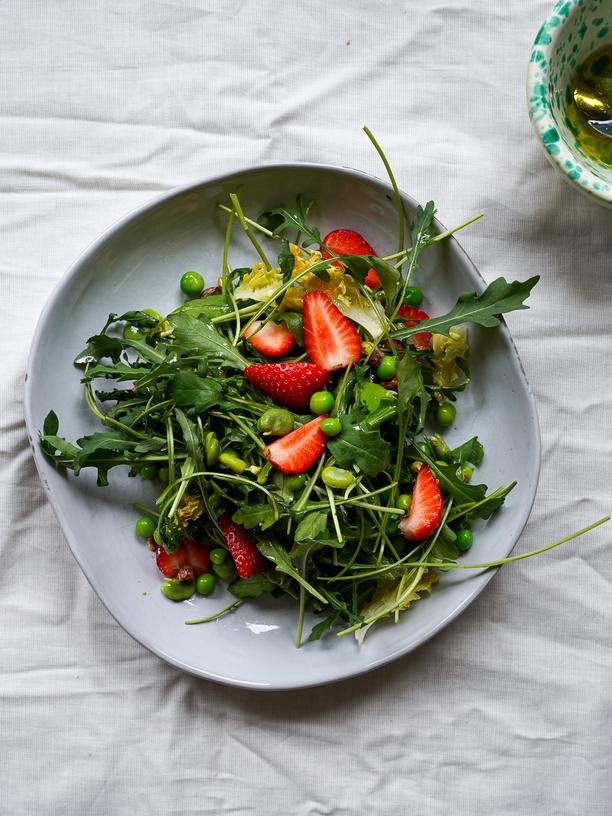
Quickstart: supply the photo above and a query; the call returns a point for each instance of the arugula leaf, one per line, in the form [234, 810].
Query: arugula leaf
[358, 266]
[58, 448]
[449, 481]
[311, 526]
[98, 347]
[322, 627]
[122, 372]
[286, 261]
[293, 321]
[471, 451]
[170, 533]
[359, 445]
[280, 557]
[209, 307]
[281, 219]
[194, 393]
[253, 515]
[190, 437]
[485, 309]
[252, 587]
[51, 424]
[410, 387]
[102, 442]
[204, 338]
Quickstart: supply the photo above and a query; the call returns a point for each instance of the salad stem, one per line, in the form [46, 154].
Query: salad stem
[249, 234]
[398, 197]
[216, 615]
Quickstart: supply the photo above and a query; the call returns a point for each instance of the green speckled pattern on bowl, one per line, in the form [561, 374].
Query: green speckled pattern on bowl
[573, 31]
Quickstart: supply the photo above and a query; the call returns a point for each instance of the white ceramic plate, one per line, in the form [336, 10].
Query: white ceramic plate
[137, 264]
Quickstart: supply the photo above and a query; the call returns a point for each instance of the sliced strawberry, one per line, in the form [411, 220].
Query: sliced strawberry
[425, 509]
[188, 555]
[330, 338]
[298, 450]
[243, 549]
[412, 317]
[290, 384]
[349, 242]
[271, 339]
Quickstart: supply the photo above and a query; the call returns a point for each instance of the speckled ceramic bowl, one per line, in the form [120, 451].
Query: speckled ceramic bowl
[573, 31]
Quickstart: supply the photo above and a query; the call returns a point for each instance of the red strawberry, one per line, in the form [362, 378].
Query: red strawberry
[349, 242]
[412, 317]
[330, 338]
[297, 451]
[242, 547]
[290, 384]
[189, 555]
[425, 509]
[272, 339]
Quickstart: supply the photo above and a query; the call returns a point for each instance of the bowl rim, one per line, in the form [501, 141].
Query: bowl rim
[481, 578]
[546, 122]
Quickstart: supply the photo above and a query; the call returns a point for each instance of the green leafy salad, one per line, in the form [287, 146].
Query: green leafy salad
[282, 414]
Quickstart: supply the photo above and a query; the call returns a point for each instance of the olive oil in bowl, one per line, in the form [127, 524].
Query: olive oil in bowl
[589, 108]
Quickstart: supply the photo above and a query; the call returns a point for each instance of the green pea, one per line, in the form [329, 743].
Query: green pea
[148, 471]
[232, 462]
[464, 539]
[337, 478]
[132, 332]
[192, 284]
[445, 414]
[224, 571]
[164, 475]
[331, 426]
[321, 402]
[386, 368]
[413, 296]
[403, 502]
[154, 314]
[218, 555]
[296, 483]
[276, 422]
[145, 527]
[205, 583]
[424, 448]
[211, 449]
[178, 590]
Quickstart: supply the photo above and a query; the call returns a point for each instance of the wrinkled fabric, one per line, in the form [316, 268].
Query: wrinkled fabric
[508, 710]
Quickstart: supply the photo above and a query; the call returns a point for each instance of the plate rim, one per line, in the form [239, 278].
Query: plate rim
[484, 577]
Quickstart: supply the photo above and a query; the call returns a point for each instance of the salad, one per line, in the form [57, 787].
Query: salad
[282, 414]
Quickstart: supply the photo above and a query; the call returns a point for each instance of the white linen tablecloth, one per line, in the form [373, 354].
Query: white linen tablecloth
[509, 710]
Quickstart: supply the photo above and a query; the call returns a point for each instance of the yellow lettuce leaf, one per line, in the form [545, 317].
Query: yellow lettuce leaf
[341, 288]
[259, 284]
[446, 350]
[385, 599]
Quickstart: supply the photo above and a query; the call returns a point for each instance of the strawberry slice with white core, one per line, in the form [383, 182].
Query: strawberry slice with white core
[330, 338]
[349, 242]
[425, 509]
[270, 339]
[297, 451]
